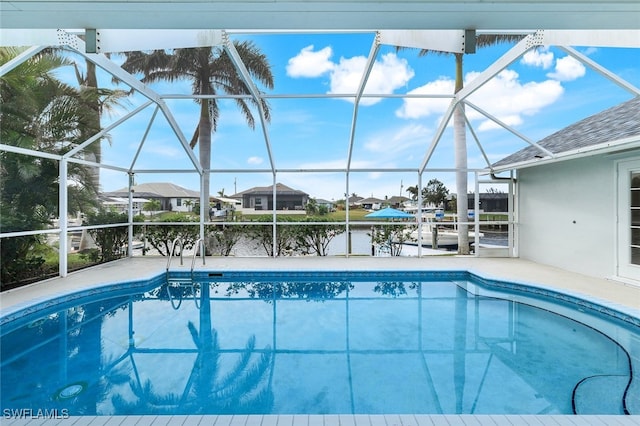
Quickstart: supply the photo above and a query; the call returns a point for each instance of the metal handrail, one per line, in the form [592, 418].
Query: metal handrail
[176, 307]
[195, 251]
[173, 246]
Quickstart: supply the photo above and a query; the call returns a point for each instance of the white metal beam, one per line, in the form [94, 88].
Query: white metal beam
[504, 61]
[248, 81]
[30, 152]
[601, 70]
[475, 138]
[106, 40]
[106, 130]
[63, 220]
[453, 41]
[38, 37]
[21, 58]
[106, 64]
[510, 129]
[592, 38]
[436, 138]
[144, 138]
[371, 59]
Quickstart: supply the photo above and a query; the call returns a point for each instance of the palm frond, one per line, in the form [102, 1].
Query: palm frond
[240, 365]
[485, 40]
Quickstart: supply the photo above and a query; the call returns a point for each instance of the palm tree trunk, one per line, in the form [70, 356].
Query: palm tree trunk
[204, 148]
[460, 146]
[95, 152]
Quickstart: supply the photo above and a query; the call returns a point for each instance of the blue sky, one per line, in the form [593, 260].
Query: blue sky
[542, 92]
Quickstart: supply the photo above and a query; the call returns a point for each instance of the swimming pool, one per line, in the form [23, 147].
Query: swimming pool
[320, 343]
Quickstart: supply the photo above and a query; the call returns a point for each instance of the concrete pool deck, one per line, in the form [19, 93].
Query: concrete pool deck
[621, 296]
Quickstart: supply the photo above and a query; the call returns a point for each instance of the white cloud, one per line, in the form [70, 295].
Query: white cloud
[386, 76]
[165, 150]
[567, 69]
[310, 63]
[510, 120]
[538, 58]
[508, 99]
[504, 97]
[398, 140]
[417, 108]
[590, 51]
[255, 160]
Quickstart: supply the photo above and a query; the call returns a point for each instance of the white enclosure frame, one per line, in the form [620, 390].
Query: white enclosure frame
[104, 41]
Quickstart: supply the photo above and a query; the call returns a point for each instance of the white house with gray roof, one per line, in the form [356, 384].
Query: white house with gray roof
[172, 197]
[578, 202]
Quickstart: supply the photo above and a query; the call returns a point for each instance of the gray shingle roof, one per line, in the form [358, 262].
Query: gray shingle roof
[158, 189]
[268, 190]
[619, 122]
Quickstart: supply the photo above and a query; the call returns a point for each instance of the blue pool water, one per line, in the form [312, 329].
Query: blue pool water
[320, 343]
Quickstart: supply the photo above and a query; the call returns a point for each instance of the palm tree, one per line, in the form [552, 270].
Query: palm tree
[98, 101]
[40, 113]
[211, 71]
[460, 132]
[413, 191]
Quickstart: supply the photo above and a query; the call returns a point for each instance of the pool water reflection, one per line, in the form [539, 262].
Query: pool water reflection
[300, 346]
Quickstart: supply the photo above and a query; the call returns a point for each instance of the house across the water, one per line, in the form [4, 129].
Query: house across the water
[260, 198]
[171, 196]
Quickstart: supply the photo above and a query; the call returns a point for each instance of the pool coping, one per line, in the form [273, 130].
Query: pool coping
[626, 314]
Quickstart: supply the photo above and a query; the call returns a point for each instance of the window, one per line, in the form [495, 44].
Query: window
[178, 202]
[635, 217]
[628, 218]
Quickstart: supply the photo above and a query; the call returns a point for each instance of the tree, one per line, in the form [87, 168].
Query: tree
[152, 206]
[224, 237]
[40, 113]
[97, 101]
[413, 191]
[435, 192]
[391, 237]
[110, 240]
[162, 236]
[285, 242]
[211, 71]
[460, 133]
[316, 238]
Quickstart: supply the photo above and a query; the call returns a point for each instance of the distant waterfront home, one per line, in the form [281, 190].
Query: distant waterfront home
[261, 198]
[354, 200]
[371, 203]
[397, 201]
[172, 197]
[580, 208]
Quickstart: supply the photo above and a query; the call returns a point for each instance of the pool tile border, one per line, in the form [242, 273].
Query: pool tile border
[602, 307]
